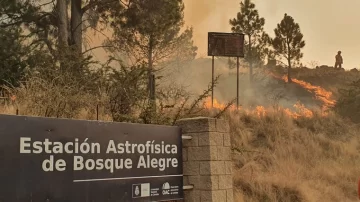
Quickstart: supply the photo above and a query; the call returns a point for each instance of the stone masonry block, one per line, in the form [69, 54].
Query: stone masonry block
[186, 180]
[229, 195]
[191, 168]
[207, 160]
[229, 167]
[192, 196]
[204, 182]
[212, 168]
[224, 153]
[196, 125]
[225, 182]
[213, 196]
[206, 196]
[184, 154]
[222, 126]
[194, 142]
[227, 140]
[201, 154]
[219, 195]
[211, 139]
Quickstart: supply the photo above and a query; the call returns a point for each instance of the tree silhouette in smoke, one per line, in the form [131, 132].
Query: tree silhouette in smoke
[248, 22]
[288, 41]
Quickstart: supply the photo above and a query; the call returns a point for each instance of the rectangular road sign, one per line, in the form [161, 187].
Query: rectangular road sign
[78, 160]
[225, 44]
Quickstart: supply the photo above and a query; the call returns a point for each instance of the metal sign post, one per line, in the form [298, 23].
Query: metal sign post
[212, 82]
[237, 82]
[225, 45]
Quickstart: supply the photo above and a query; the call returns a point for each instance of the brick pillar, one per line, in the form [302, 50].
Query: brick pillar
[207, 160]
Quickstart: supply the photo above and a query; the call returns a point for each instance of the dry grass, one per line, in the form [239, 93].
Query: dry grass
[280, 159]
[327, 77]
[276, 158]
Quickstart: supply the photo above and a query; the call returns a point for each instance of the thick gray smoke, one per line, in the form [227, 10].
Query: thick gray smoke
[265, 90]
[197, 76]
[214, 15]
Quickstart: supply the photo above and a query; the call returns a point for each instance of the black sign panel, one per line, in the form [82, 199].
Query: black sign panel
[62, 160]
[225, 44]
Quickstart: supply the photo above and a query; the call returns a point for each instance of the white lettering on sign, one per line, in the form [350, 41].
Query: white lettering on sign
[149, 155]
[48, 147]
[149, 148]
[161, 163]
[100, 164]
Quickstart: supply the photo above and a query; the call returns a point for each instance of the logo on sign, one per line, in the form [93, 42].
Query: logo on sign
[166, 188]
[141, 190]
[137, 192]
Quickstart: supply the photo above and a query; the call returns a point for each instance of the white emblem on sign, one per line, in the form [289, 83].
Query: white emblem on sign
[166, 188]
[137, 192]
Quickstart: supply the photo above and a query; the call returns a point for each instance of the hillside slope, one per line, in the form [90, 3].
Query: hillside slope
[277, 158]
[280, 159]
[326, 77]
[268, 89]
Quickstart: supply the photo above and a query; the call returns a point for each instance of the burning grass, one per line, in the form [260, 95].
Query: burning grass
[280, 154]
[278, 157]
[298, 109]
[283, 154]
[319, 93]
[260, 111]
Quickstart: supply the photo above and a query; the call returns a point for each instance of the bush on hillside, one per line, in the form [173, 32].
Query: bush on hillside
[348, 104]
[56, 93]
[108, 93]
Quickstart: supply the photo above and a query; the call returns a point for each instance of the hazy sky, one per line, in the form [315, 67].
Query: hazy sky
[327, 25]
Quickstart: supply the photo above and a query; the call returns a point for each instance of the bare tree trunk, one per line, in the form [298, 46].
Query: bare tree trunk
[76, 25]
[251, 60]
[289, 63]
[151, 82]
[63, 23]
[150, 68]
[289, 71]
[63, 31]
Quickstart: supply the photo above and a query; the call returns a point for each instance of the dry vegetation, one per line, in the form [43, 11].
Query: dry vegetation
[326, 77]
[279, 158]
[120, 98]
[276, 157]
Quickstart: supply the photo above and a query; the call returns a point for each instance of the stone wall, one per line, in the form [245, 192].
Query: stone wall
[207, 161]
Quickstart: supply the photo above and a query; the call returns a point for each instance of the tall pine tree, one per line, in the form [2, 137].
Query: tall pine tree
[251, 24]
[288, 41]
[149, 31]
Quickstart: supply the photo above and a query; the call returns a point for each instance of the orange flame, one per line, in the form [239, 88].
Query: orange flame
[216, 104]
[301, 111]
[13, 98]
[320, 93]
[261, 111]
